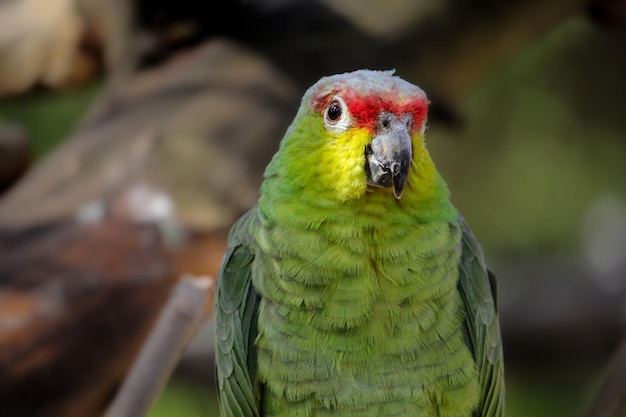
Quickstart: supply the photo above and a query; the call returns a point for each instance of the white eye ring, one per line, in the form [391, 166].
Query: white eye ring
[336, 116]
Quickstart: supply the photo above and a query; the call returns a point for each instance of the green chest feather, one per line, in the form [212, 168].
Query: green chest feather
[360, 315]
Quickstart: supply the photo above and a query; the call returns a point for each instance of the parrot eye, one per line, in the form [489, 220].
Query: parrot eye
[333, 112]
[336, 116]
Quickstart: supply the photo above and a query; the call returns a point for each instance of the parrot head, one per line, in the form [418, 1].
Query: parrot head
[357, 133]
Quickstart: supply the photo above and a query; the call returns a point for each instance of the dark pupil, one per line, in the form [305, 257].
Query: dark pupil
[334, 111]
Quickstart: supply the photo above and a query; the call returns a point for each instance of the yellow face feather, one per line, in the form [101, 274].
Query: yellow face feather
[341, 163]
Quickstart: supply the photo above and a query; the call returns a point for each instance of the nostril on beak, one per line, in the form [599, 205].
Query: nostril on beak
[385, 123]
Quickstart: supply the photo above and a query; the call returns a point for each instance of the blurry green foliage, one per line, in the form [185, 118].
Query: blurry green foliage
[186, 397]
[545, 136]
[48, 116]
[551, 390]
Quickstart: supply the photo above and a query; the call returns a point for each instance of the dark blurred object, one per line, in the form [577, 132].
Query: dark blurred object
[66, 291]
[608, 13]
[611, 400]
[94, 237]
[77, 301]
[552, 311]
[445, 47]
[15, 155]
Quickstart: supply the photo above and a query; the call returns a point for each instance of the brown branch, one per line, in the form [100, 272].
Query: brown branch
[177, 324]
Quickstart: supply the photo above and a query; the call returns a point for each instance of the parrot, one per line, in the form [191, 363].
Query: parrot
[354, 287]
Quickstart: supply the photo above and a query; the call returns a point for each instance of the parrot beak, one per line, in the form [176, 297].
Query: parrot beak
[388, 156]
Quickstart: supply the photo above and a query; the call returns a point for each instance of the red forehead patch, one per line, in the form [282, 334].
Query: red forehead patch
[366, 110]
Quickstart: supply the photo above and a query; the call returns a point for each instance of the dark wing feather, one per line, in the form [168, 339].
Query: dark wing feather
[478, 291]
[236, 312]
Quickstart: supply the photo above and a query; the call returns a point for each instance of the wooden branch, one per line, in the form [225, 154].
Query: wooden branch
[611, 401]
[177, 324]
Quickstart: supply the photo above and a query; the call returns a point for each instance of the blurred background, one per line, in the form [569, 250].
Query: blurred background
[134, 133]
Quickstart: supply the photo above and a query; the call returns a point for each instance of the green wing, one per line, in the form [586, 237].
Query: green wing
[236, 312]
[478, 289]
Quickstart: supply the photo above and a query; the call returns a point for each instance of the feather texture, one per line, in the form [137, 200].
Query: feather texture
[336, 298]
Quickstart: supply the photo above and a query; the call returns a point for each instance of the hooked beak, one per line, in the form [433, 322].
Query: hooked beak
[388, 156]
